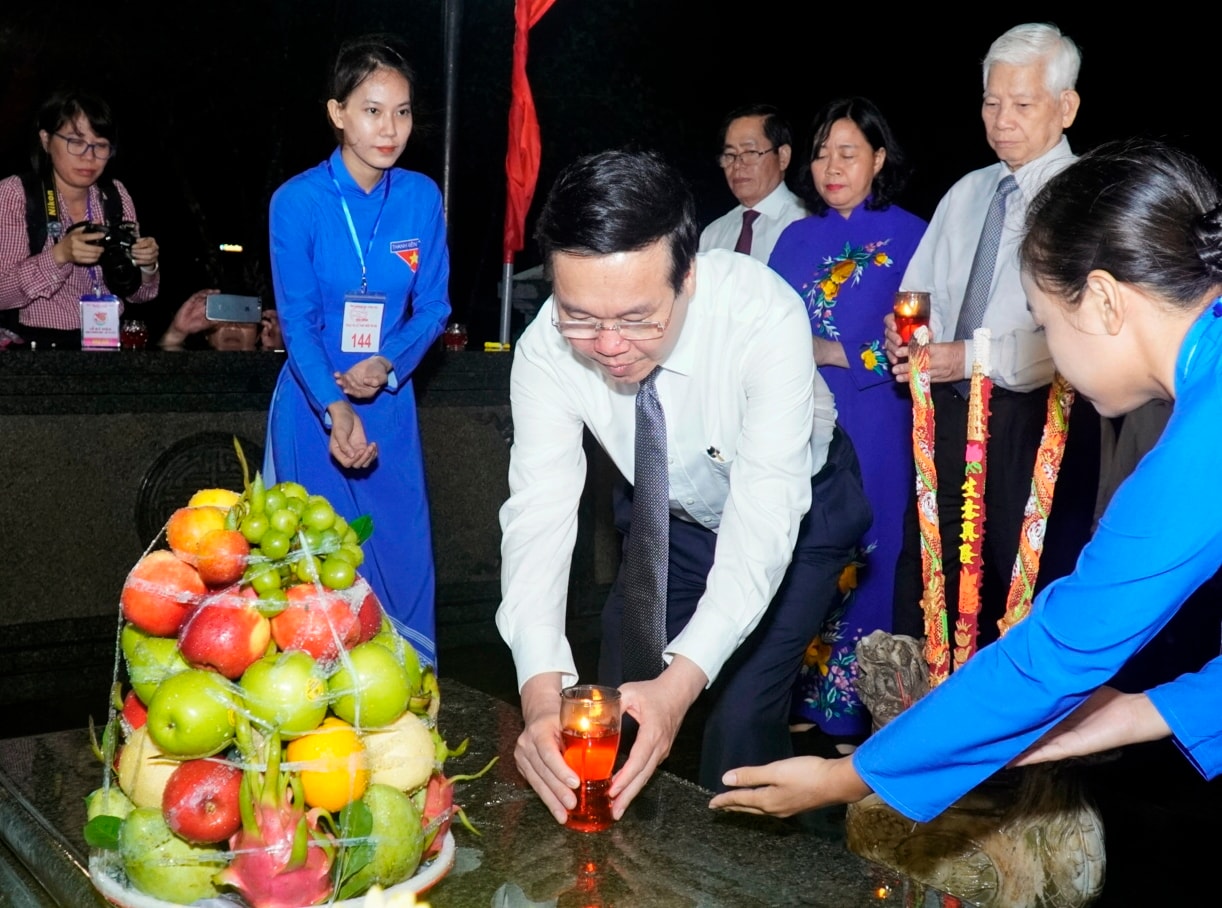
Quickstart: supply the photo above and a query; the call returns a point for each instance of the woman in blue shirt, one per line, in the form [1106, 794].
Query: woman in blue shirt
[1122, 265]
[361, 273]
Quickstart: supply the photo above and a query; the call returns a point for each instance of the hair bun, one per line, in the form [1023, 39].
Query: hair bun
[1207, 235]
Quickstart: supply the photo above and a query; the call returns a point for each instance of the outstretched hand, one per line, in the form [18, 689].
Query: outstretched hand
[1107, 719]
[787, 787]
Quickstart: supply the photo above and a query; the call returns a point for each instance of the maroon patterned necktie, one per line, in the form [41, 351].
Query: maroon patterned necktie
[744, 236]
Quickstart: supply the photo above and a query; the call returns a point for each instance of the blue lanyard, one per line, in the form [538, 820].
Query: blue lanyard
[92, 271]
[356, 244]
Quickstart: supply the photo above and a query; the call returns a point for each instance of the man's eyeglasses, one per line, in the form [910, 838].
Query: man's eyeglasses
[728, 159]
[589, 329]
[78, 146]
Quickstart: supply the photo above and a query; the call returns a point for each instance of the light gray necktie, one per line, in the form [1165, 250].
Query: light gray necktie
[984, 264]
[647, 552]
[980, 280]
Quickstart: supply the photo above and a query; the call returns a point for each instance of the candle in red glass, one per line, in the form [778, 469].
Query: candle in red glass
[589, 732]
[911, 312]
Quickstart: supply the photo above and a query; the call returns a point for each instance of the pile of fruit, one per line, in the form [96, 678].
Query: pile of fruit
[276, 737]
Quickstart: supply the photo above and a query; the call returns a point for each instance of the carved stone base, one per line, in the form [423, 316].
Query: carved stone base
[1025, 839]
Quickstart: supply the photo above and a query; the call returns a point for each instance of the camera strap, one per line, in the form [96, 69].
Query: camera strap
[42, 209]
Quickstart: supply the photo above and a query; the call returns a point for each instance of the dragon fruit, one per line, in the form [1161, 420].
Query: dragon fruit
[282, 859]
[436, 799]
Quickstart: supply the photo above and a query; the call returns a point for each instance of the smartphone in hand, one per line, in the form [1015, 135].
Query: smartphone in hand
[232, 307]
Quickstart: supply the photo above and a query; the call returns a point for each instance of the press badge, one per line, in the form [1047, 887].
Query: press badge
[363, 322]
[99, 321]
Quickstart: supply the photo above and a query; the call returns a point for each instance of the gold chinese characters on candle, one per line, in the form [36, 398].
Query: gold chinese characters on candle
[911, 308]
[589, 732]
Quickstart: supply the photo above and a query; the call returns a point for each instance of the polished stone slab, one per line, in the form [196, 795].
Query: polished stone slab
[668, 851]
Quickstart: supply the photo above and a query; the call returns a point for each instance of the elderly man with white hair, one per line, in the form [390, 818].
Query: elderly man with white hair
[968, 261]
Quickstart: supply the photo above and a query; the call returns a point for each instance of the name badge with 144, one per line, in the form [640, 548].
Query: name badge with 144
[363, 322]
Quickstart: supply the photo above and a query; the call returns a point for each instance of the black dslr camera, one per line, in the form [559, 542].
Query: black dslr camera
[121, 274]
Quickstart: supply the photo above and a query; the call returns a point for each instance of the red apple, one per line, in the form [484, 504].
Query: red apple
[226, 633]
[201, 801]
[369, 615]
[187, 527]
[221, 557]
[316, 620]
[159, 593]
[134, 713]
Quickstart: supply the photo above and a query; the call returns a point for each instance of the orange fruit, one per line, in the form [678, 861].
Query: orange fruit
[187, 527]
[332, 764]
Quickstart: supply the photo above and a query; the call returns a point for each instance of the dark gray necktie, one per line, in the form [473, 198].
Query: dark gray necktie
[647, 552]
[744, 235]
[984, 264]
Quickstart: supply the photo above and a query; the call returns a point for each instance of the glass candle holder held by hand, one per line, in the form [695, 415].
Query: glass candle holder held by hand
[911, 310]
[589, 732]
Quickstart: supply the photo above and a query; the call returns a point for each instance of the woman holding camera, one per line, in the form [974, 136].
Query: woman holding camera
[67, 231]
[361, 272]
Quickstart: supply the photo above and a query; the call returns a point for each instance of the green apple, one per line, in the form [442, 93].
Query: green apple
[371, 687]
[150, 660]
[286, 691]
[390, 638]
[162, 865]
[397, 836]
[192, 714]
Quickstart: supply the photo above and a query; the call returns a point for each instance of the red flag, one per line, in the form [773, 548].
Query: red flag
[522, 156]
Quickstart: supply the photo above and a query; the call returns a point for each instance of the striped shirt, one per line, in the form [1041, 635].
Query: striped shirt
[48, 294]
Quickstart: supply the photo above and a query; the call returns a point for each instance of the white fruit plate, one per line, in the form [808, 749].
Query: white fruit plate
[106, 872]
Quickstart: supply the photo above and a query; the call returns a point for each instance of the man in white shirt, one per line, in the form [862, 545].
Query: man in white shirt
[756, 144]
[764, 491]
[1029, 100]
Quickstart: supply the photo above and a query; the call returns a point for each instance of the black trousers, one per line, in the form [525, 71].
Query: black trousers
[747, 707]
[1016, 425]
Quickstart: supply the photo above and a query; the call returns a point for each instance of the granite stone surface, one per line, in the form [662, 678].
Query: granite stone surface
[669, 850]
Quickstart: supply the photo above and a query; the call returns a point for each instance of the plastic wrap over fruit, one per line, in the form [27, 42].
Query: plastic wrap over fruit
[272, 739]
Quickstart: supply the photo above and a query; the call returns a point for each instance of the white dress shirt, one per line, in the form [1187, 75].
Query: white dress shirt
[1018, 355]
[748, 422]
[777, 210]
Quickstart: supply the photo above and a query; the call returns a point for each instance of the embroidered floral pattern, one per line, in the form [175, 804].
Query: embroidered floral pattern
[827, 682]
[823, 289]
[873, 357]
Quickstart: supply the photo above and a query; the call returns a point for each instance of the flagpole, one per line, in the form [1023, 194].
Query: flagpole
[506, 300]
[452, 23]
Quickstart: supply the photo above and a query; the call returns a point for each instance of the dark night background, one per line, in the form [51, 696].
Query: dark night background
[218, 104]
